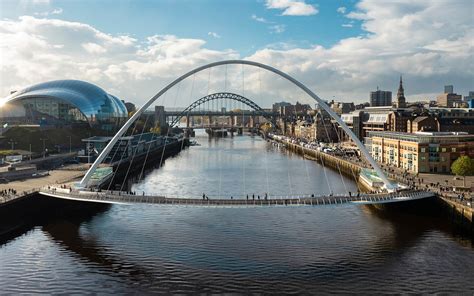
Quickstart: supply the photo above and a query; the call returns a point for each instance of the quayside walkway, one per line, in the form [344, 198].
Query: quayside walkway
[115, 197]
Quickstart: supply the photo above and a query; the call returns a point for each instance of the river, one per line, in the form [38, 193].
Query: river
[171, 249]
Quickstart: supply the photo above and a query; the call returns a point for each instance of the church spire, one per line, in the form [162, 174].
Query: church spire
[401, 95]
[400, 88]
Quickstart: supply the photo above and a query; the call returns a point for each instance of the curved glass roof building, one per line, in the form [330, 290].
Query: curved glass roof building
[62, 102]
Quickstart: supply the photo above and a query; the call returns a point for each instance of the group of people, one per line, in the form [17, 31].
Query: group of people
[205, 197]
[7, 192]
[258, 197]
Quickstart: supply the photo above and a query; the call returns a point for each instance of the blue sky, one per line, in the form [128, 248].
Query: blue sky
[340, 49]
[230, 19]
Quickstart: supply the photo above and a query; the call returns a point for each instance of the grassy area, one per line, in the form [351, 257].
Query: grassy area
[8, 152]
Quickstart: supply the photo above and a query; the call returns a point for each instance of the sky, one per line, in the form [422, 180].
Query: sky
[341, 50]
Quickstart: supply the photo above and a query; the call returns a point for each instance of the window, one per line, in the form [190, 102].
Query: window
[453, 149]
[424, 150]
[443, 149]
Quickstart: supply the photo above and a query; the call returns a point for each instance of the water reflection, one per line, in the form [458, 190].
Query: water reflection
[273, 250]
[225, 167]
[289, 254]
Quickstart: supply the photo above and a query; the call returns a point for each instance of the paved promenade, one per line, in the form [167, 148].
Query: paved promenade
[27, 186]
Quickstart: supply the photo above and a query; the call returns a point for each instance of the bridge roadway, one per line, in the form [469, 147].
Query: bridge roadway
[115, 197]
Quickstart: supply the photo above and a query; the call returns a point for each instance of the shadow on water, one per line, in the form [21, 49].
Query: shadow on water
[20, 217]
[412, 220]
[65, 219]
[170, 276]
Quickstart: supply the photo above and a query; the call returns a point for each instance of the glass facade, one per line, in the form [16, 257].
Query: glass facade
[64, 102]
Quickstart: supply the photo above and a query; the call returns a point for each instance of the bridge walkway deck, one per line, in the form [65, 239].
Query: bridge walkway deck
[303, 200]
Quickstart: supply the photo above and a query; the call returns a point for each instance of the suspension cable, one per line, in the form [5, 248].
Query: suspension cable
[351, 168]
[332, 142]
[169, 127]
[322, 162]
[135, 151]
[243, 124]
[121, 158]
[266, 154]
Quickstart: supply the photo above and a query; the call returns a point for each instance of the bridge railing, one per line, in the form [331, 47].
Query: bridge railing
[123, 197]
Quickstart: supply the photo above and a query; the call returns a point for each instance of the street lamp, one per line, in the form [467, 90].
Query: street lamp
[12, 143]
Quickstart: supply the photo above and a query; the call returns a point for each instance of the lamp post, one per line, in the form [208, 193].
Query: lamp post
[12, 143]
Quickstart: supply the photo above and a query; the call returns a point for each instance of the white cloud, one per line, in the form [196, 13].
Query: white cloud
[277, 29]
[214, 34]
[399, 39]
[57, 11]
[46, 13]
[292, 7]
[341, 9]
[348, 25]
[260, 19]
[37, 49]
[273, 27]
[40, 1]
[93, 48]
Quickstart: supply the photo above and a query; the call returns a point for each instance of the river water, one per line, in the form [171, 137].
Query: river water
[293, 250]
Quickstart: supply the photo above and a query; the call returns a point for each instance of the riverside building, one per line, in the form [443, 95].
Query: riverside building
[420, 152]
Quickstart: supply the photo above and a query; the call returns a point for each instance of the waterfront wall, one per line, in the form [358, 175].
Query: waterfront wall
[346, 167]
[463, 211]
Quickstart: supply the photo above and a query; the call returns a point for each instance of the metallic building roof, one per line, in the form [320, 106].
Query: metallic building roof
[90, 99]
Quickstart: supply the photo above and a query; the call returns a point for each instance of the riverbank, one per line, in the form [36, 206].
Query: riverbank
[22, 206]
[68, 174]
[450, 200]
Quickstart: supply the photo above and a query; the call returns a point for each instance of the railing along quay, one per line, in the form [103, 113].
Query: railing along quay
[307, 200]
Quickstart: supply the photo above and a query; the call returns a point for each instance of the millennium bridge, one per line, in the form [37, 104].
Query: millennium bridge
[83, 191]
[120, 197]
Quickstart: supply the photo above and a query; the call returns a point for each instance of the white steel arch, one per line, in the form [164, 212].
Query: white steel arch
[85, 180]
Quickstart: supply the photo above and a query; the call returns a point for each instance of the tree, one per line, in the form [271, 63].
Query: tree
[266, 127]
[463, 166]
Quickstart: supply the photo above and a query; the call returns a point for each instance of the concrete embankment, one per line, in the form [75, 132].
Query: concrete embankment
[346, 167]
[463, 211]
[460, 214]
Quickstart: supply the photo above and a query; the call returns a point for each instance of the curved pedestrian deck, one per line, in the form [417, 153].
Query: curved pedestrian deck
[303, 200]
